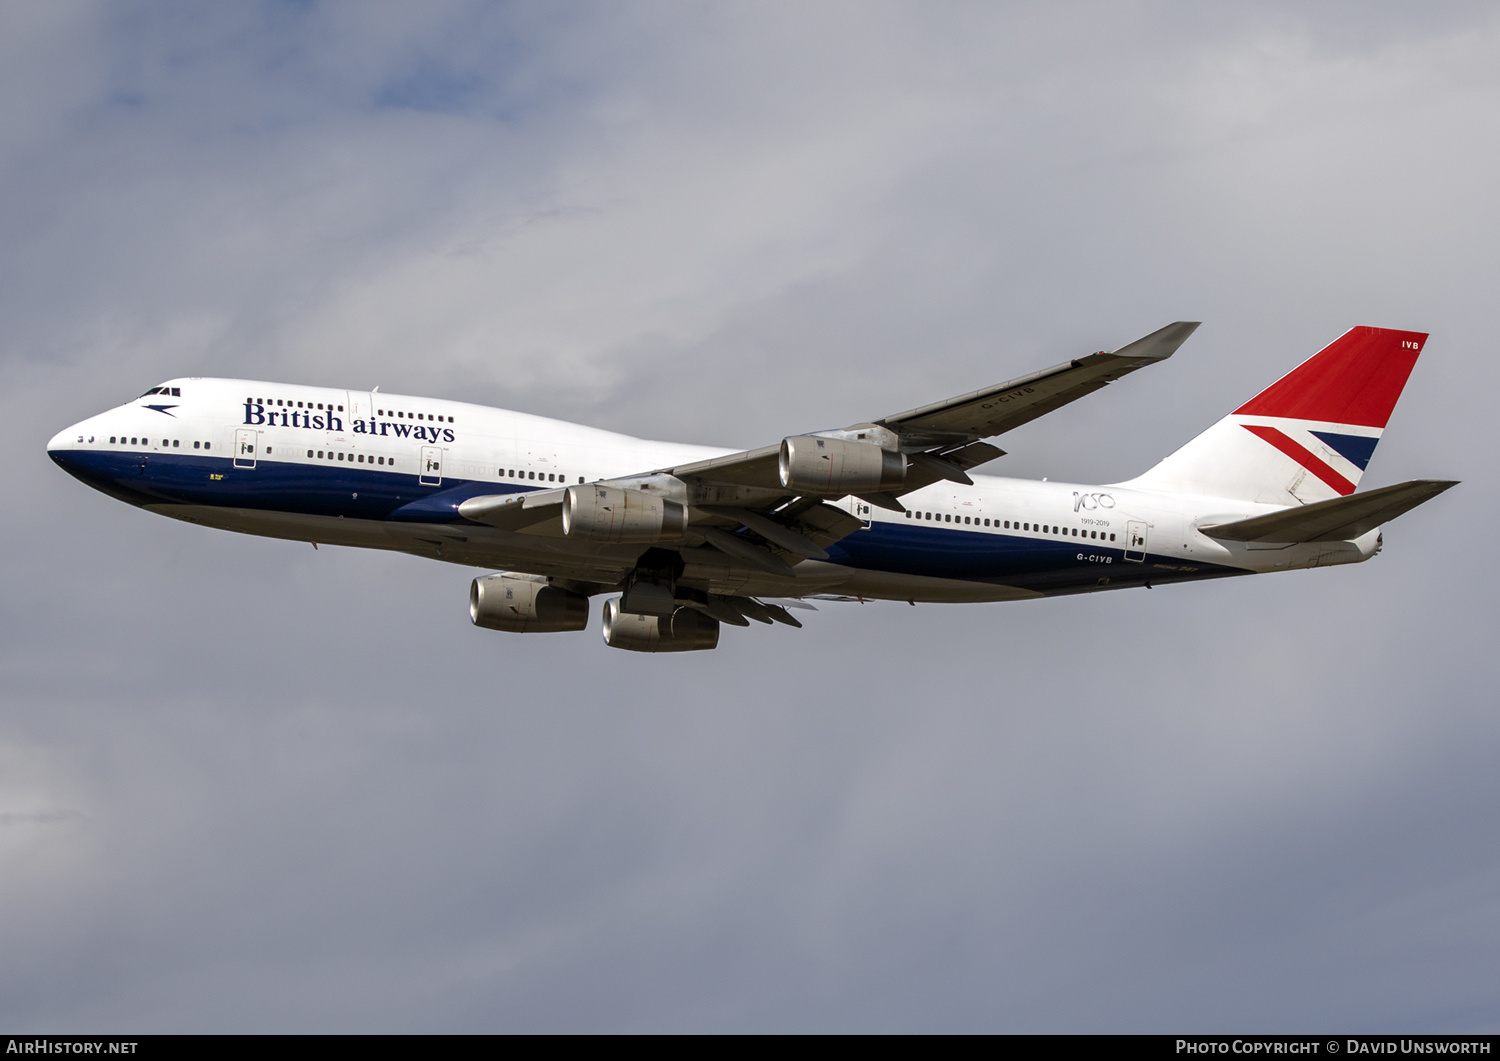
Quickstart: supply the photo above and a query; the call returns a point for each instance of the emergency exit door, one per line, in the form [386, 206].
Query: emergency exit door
[244, 448]
[432, 466]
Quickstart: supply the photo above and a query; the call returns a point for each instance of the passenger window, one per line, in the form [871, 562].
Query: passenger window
[320, 454]
[205, 445]
[551, 477]
[309, 453]
[1111, 537]
[176, 443]
[111, 438]
[198, 445]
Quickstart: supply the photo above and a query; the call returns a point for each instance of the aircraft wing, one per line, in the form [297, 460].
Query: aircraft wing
[942, 440]
[1005, 406]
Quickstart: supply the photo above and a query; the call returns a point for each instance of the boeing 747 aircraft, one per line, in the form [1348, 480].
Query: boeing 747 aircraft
[687, 538]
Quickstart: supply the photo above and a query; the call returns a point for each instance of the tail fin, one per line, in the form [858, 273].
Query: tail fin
[1306, 438]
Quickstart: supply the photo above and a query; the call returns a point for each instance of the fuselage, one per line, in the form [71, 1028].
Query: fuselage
[389, 471]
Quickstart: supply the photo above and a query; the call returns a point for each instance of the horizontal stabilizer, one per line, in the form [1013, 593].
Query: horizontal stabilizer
[1341, 519]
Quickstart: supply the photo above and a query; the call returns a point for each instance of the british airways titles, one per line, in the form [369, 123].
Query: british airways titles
[256, 414]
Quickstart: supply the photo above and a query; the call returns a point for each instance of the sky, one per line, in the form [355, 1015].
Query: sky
[247, 786]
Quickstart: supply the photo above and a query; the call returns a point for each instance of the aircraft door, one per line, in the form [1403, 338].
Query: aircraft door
[360, 405]
[432, 466]
[1135, 540]
[244, 448]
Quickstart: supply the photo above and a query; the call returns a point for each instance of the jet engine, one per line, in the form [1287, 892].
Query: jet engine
[685, 630]
[601, 513]
[838, 466]
[525, 606]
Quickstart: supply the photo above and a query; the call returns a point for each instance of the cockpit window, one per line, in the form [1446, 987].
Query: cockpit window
[153, 390]
[174, 392]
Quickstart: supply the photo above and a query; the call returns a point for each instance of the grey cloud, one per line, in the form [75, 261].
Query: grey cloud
[303, 793]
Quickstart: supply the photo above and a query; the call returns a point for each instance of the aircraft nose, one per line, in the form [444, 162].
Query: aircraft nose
[66, 448]
[60, 443]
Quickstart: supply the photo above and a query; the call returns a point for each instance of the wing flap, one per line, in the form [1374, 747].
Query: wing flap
[773, 531]
[1341, 519]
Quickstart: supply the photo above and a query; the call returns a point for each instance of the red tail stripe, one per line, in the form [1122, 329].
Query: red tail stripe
[1302, 455]
[1355, 379]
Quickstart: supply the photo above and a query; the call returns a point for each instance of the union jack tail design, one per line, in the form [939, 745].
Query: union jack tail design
[1309, 436]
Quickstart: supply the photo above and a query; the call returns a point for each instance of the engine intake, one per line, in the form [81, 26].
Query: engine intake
[599, 513]
[685, 630]
[838, 466]
[524, 606]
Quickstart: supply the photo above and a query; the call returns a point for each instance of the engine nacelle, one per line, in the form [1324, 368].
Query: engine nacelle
[837, 466]
[685, 630]
[600, 513]
[524, 606]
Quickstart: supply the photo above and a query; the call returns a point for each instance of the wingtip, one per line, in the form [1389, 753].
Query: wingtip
[1160, 344]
